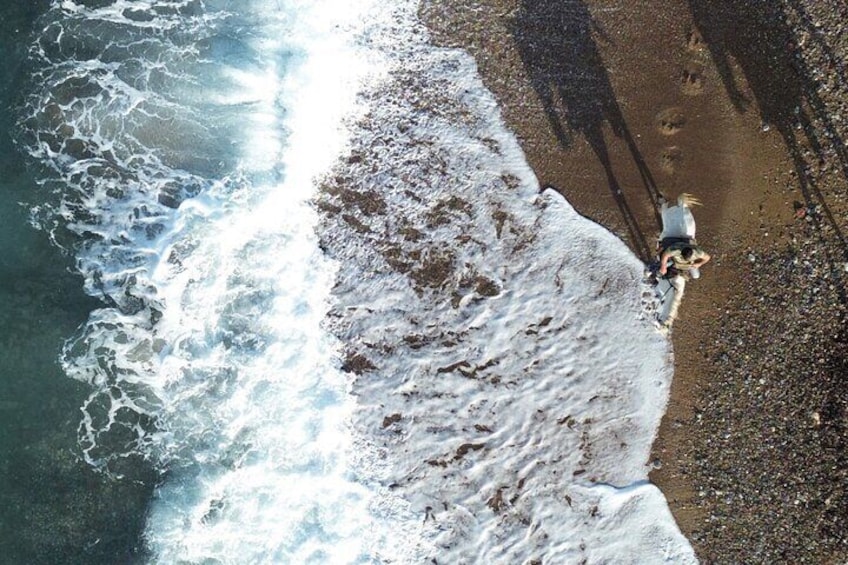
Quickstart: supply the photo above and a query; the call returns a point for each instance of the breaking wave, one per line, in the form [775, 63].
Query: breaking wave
[178, 144]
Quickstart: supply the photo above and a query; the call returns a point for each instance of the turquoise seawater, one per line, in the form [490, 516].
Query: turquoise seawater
[54, 508]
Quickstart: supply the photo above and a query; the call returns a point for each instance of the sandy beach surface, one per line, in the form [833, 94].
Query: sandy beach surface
[745, 105]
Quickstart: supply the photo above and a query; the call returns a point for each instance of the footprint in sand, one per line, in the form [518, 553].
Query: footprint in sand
[670, 121]
[670, 159]
[694, 40]
[692, 79]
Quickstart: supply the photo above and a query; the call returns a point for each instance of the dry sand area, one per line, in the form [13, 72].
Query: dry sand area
[745, 104]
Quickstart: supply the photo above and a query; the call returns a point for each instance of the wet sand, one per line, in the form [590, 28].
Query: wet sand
[743, 105]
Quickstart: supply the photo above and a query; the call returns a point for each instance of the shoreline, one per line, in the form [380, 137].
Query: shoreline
[616, 104]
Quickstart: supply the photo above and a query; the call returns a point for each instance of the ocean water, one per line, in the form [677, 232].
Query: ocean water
[54, 508]
[283, 290]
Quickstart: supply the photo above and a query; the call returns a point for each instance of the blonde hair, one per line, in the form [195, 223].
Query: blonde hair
[687, 200]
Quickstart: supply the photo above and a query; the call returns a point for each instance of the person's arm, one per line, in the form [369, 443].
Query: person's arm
[700, 261]
[663, 261]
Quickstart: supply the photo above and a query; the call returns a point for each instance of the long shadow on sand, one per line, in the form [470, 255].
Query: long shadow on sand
[555, 40]
[756, 36]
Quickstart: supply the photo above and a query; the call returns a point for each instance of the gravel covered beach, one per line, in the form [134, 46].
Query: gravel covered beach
[744, 104]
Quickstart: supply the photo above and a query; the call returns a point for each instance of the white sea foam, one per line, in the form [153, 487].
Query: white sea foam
[509, 383]
[506, 357]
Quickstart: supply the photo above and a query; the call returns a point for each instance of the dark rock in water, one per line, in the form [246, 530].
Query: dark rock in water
[357, 364]
[169, 200]
[389, 420]
[487, 287]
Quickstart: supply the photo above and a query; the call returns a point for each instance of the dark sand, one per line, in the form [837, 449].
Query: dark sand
[745, 105]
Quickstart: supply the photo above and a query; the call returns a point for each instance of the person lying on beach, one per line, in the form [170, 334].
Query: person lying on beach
[684, 257]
